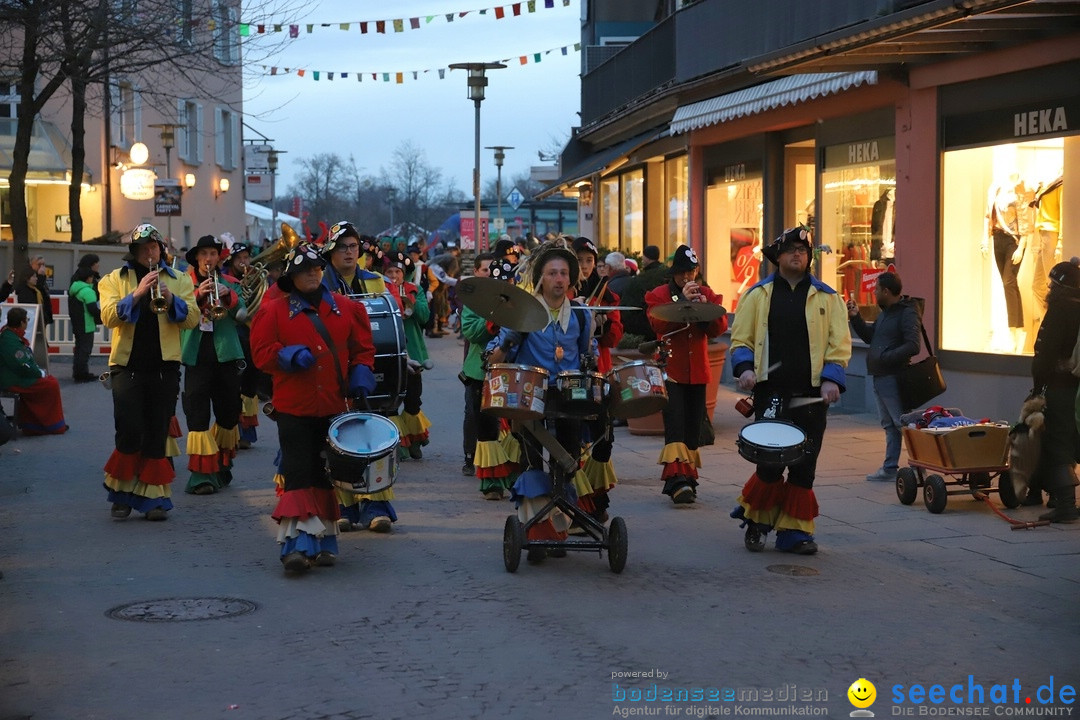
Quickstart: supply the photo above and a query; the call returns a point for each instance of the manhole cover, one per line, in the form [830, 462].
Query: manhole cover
[792, 570]
[182, 609]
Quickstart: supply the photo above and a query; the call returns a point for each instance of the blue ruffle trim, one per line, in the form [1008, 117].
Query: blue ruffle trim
[371, 509]
[787, 539]
[310, 545]
[139, 503]
[251, 434]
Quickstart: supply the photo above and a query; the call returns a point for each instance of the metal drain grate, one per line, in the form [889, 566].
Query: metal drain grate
[792, 570]
[182, 609]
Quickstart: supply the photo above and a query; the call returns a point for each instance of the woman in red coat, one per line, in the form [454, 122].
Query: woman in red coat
[688, 374]
[309, 390]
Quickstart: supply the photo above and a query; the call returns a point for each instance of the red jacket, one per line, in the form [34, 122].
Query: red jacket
[316, 391]
[613, 332]
[689, 359]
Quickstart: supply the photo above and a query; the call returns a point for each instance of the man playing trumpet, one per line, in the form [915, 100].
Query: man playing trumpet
[144, 367]
[211, 356]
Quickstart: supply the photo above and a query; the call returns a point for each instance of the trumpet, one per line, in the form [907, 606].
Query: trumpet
[217, 310]
[158, 303]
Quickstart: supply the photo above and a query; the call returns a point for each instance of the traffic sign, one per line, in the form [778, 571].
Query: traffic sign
[515, 198]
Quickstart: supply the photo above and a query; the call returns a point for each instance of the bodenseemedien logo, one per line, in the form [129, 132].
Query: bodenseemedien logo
[862, 694]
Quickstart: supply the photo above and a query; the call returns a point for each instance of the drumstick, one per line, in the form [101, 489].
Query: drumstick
[799, 402]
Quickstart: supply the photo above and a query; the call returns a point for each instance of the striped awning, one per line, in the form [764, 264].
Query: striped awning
[768, 96]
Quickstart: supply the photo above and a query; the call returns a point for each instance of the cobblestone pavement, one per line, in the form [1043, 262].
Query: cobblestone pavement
[426, 623]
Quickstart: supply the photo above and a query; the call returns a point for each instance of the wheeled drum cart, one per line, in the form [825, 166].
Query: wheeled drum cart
[971, 456]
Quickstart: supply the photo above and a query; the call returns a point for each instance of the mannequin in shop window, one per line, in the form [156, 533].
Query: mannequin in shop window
[1045, 239]
[883, 226]
[1005, 221]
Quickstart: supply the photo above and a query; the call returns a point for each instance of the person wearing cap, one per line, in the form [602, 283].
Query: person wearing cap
[144, 372]
[608, 331]
[653, 274]
[211, 353]
[790, 340]
[1050, 369]
[687, 374]
[84, 311]
[238, 265]
[411, 422]
[506, 249]
[317, 345]
[559, 346]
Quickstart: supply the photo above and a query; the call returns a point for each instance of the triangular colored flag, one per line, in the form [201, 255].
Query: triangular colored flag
[531, 5]
[442, 73]
[414, 23]
[363, 28]
[536, 57]
[273, 71]
[430, 18]
[516, 8]
[386, 77]
[549, 3]
[330, 76]
[294, 31]
[344, 76]
[374, 76]
[399, 26]
[524, 60]
[211, 25]
[566, 3]
[449, 17]
[315, 74]
[245, 30]
[500, 13]
[300, 73]
[563, 49]
[380, 26]
[399, 78]
[577, 47]
[463, 14]
[483, 12]
[359, 77]
[310, 28]
[277, 28]
[416, 75]
[344, 26]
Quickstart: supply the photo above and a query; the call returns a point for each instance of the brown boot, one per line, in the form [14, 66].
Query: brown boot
[1065, 510]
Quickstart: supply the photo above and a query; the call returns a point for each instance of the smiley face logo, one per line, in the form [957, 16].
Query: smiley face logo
[862, 693]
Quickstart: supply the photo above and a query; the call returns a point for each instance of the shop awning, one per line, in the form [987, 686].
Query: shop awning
[598, 161]
[50, 154]
[768, 96]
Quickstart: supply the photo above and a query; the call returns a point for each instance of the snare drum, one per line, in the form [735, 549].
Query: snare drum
[515, 391]
[637, 389]
[772, 442]
[363, 452]
[391, 355]
[580, 394]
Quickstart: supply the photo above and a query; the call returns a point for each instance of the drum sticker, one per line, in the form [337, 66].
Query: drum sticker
[511, 399]
[655, 378]
[496, 384]
[527, 388]
[538, 405]
[375, 324]
[627, 393]
[496, 401]
[578, 394]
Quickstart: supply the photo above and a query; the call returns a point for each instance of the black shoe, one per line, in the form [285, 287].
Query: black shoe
[536, 554]
[683, 495]
[415, 452]
[556, 553]
[83, 378]
[1033, 497]
[1066, 514]
[468, 469]
[754, 539]
[806, 547]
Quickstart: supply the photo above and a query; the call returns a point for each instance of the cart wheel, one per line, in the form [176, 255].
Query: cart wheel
[616, 542]
[1007, 491]
[934, 494]
[907, 485]
[513, 540]
[978, 481]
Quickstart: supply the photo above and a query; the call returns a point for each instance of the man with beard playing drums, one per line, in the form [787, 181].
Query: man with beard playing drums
[688, 374]
[559, 346]
[317, 346]
[789, 344]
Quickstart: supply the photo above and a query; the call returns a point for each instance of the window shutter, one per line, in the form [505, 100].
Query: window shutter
[234, 143]
[219, 138]
[181, 133]
[116, 130]
[136, 101]
[198, 133]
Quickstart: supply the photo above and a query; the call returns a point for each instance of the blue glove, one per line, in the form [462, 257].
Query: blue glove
[511, 338]
[295, 357]
[361, 381]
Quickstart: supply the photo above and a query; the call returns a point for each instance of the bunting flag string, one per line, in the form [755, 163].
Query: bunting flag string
[397, 25]
[398, 77]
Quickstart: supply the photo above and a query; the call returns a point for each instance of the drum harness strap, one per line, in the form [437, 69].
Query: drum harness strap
[321, 329]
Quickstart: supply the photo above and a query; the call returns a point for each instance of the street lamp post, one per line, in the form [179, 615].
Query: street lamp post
[477, 81]
[168, 141]
[391, 193]
[500, 155]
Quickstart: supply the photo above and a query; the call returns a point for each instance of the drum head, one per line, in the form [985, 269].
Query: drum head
[773, 434]
[363, 435]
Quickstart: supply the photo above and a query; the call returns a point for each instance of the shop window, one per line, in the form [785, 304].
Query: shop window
[9, 101]
[633, 217]
[1002, 218]
[610, 215]
[733, 228]
[676, 196]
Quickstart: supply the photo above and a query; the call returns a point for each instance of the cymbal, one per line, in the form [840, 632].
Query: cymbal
[504, 304]
[687, 312]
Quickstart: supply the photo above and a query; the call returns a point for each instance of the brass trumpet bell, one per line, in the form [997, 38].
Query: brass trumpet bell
[254, 284]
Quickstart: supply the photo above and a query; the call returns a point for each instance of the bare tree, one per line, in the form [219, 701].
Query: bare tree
[324, 185]
[419, 193]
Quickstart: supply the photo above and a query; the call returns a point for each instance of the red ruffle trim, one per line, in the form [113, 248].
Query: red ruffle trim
[156, 471]
[225, 457]
[306, 503]
[760, 495]
[249, 421]
[123, 466]
[410, 440]
[504, 425]
[678, 467]
[800, 503]
[586, 503]
[207, 464]
[544, 531]
[496, 472]
[174, 427]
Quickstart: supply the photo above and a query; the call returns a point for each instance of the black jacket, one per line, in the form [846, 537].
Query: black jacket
[634, 292]
[1057, 337]
[893, 338]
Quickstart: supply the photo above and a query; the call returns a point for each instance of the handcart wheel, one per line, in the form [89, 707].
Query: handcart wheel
[513, 541]
[978, 481]
[934, 494]
[617, 545]
[907, 485]
[1007, 490]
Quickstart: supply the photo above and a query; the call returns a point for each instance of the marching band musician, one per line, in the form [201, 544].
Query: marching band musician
[559, 346]
[411, 422]
[210, 354]
[688, 374]
[312, 377]
[347, 273]
[144, 368]
[608, 331]
[238, 264]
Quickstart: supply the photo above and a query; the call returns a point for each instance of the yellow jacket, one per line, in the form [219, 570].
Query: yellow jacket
[826, 324]
[119, 312]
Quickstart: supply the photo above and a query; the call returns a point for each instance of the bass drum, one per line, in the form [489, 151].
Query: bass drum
[388, 334]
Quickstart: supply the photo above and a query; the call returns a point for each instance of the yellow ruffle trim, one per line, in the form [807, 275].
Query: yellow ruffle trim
[490, 453]
[226, 439]
[581, 484]
[765, 517]
[138, 488]
[249, 405]
[601, 475]
[511, 446]
[344, 498]
[678, 451]
[172, 448]
[387, 494]
[201, 442]
[786, 522]
[279, 480]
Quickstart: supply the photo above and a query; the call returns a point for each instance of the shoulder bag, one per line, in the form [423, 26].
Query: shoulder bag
[921, 382]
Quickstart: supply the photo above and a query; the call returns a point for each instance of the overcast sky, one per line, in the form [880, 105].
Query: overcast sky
[530, 107]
